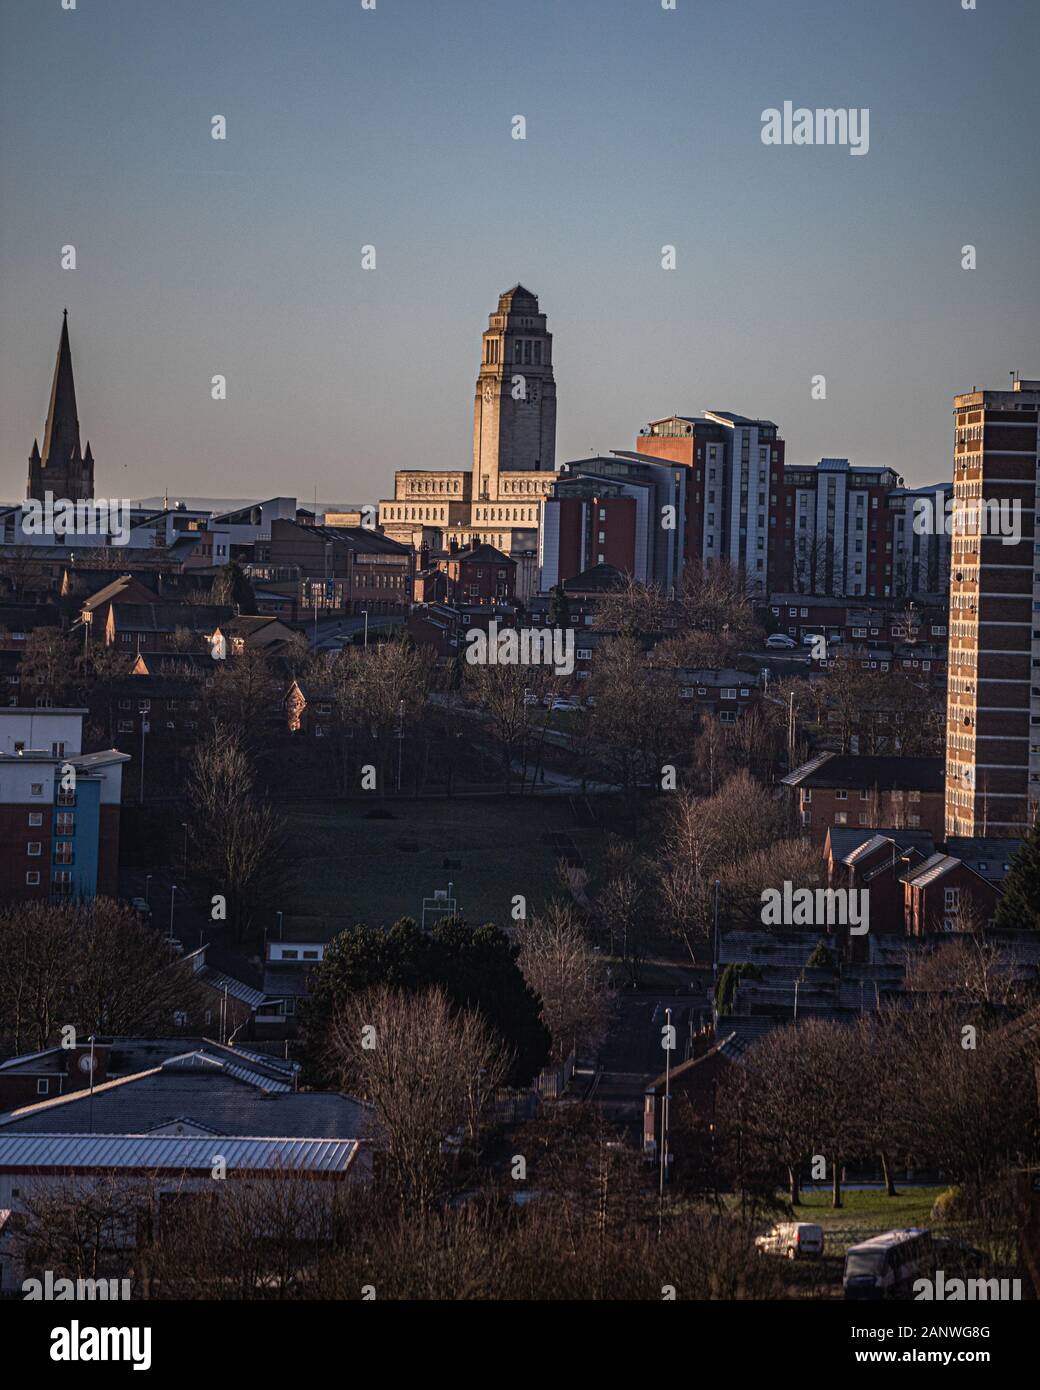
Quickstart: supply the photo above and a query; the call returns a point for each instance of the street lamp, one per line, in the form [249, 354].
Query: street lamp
[173, 898]
[400, 742]
[715, 961]
[91, 1102]
[147, 885]
[664, 1115]
[364, 614]
[143, 712]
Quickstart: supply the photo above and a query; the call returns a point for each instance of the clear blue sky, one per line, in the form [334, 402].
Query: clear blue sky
[392, 127]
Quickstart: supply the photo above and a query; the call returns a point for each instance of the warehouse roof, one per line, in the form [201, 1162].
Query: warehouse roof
[174, 1153]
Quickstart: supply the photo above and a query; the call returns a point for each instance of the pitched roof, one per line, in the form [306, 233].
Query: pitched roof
[989, 857]
[598, 577]
[487, 553]
[167, 617]
[938, 866]
[229, 1098]
[517, 292]
[844, 839]
[852, 771]
[126, 583]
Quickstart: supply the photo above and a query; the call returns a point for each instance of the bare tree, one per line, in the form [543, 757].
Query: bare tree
[36, 947]
[563, 970]
[82, 1229]
[430, 1071]
[380, 699]
[634, 718]
[235, 834]
[49, 668]
[498, 692]
[92, 965]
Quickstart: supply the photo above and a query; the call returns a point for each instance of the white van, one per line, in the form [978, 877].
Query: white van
[887, 1265]
[795, 1240]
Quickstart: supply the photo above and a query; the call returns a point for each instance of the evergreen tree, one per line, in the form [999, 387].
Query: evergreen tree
[233, 589]
[821, 958]
[559, 608]
[475, 966]
[729, 979]
[1020, 904]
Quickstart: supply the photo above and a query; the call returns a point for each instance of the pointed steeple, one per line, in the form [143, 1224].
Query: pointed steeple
[34, 457]
[61, 437]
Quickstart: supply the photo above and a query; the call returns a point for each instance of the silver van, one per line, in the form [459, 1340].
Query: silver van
[795, 1240]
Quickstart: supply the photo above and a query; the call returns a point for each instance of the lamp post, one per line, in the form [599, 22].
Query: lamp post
[364, 614]
[144, 729]
[173, 898]
[91, 1102]
[664, 1116]
[715, 962]
[147, 886]
[400, 742]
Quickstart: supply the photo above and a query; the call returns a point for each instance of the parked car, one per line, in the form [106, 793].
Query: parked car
[808, 638]
[140, 907]
[559, 703]
[886, 1266]
[780, 641]
[795, 1240]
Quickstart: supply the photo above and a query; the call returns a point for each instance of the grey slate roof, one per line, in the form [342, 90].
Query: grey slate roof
[850, 770]
[206, 1095]
[989, 857]
[845, 839]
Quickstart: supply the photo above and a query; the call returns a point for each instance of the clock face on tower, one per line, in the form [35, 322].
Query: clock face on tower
[489, 391]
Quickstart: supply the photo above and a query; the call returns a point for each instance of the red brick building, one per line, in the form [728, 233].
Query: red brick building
[945, 895]
[478, 575]
[841, 789]
[334, 570]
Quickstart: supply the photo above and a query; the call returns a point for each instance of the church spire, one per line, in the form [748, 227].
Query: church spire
[61, 437]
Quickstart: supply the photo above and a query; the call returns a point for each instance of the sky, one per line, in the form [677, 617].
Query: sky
[392, 127]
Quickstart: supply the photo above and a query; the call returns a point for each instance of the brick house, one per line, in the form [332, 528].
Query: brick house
[159, 627]
[479, 575]
[724, 694]
[309, 709]
[877, 865]
[944, 894]
[843, 789]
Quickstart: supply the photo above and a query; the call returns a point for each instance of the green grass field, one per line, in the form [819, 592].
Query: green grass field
[865, 1213]
[347, 865]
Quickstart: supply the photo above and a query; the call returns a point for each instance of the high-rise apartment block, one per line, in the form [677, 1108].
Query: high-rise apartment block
[701, 488]
[848, 531]
[993, 701]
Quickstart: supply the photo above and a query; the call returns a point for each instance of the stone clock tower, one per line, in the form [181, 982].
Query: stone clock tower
[514, 412]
